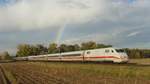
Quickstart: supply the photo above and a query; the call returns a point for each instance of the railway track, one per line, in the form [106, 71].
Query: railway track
[3, 78]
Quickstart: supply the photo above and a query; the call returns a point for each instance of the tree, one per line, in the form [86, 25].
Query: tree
[74, 47]
[5, 56]
[53, 48]
[88, 45]
[41, 49]
[134, 53]
[103, 46]
[63, 48]
[26, 50]
[77, 47]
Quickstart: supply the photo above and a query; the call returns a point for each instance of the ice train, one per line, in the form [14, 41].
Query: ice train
[103, 54]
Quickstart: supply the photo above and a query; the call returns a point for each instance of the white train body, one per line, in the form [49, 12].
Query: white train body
[104, 54]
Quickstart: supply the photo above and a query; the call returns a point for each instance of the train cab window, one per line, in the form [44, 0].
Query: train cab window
[107, 51]
[120, 50]
[88, 52]
[112, 51]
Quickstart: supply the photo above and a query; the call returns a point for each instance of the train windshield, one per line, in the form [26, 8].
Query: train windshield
[120, 50]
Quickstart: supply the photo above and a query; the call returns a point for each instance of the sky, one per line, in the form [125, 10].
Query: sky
[122, 23]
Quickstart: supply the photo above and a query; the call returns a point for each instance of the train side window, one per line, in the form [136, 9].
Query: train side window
[112, 51]
[107, 51]
[88, 52]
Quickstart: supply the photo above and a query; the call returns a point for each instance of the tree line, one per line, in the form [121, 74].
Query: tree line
[5, 56]
[29, 50]
[138, 53]
[39, 49]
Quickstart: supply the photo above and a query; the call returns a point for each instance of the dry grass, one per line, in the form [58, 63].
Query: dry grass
[77, 73]
[141, 61]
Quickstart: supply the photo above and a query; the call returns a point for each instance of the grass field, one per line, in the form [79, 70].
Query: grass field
[76, 73]
[141, 61]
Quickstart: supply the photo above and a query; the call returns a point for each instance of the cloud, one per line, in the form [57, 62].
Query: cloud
[40, 14]
[116, 22]
[37, 14]
[133, 34]
[91, 37]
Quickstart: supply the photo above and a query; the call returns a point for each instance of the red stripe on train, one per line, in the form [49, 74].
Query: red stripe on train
[92, 57]
[105, 57]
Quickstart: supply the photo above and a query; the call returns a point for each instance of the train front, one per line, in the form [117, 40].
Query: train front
[122, 55]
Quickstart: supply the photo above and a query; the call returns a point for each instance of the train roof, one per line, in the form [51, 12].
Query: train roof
[102, 49]
[57, 54]
[73, 52]
[80, 52]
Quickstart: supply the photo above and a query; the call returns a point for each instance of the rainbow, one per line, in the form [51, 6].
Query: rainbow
[60, 33]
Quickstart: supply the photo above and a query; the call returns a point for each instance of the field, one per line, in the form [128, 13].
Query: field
[140, 61]
[76, 73]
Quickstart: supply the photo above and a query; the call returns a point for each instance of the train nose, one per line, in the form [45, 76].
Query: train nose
[124, 56]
